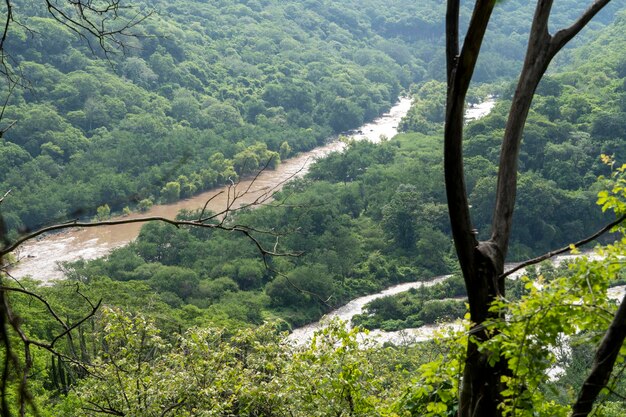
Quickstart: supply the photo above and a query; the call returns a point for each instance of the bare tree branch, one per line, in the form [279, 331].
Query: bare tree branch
[76, 223]
[603, 363]
[5, 196]
[535, 64]
[99, 21]
[452, 37]
[206, 204]
[99, 409]
[9, 18]
[541, 49]
[563, 36]
[565, 249]
[88, 19]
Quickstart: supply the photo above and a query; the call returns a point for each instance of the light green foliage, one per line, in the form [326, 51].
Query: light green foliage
[253, 372]
[171, 192]
[131, 344]
[145, 204]
[553, 311]
[285, 150]
[205, 373]
[103, 212]
[434, 388]
[343, 380]
[254, 158]
[615, 198]
[545, 318]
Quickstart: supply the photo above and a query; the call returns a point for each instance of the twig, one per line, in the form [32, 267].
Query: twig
[214, 196]
[12, 85]
[565, 249]
[5, 196]
[264, 197]
[246, 230]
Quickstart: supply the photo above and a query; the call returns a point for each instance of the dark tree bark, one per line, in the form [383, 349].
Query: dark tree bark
[602, 364]
[482, 263]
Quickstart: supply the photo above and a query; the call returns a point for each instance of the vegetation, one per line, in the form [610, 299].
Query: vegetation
[191, 318]
[485, 388]
[442, 302]
[352, 242]
[205, 92]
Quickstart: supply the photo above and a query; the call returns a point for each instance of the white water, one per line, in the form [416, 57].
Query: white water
[407, 336]
[479, 110]
[354, 307]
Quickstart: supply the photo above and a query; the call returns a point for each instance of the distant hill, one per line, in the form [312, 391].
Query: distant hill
[204, 86]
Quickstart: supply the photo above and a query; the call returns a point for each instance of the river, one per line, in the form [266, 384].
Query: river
[39, 259]
[476, 111]
[354, 307]
[345, 313]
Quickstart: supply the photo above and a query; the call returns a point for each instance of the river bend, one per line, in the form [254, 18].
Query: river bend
[39, 258]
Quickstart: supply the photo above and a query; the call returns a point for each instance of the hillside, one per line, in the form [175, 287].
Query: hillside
[189, 321]
[203, 90]
[207, 92]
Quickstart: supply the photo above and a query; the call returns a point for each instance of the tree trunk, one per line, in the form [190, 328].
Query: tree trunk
[603, 363]
[482, 263]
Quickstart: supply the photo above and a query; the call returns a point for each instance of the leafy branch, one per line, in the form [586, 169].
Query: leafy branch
[565, 249]
[10, 321]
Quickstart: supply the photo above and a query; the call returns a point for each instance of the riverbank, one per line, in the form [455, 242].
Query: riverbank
[39, 259]
[420, 334]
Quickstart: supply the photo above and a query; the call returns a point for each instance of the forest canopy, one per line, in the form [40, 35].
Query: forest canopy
[201, 85]
[211, 91]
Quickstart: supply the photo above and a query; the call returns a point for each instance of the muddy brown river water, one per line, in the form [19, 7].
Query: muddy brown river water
[39, 259]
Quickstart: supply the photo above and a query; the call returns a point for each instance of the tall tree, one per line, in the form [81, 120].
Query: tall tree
[482, 262]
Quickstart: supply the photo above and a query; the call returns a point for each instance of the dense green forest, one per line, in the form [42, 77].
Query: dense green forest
[202, 89]
[375, 215]
[212, 91]
[207, 92]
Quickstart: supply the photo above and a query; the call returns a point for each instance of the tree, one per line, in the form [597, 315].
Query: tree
[400, 216]
[99, 22]
[171, 192]
[482, 263]
[17, 344]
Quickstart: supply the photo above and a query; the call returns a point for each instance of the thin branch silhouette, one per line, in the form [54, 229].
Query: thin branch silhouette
[565, 249]
[10, 322]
